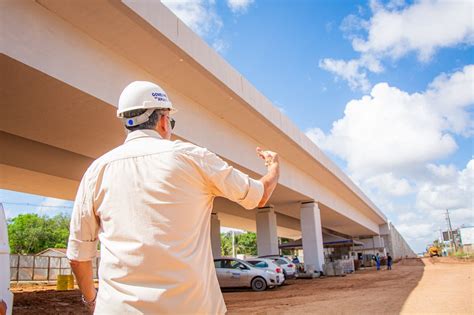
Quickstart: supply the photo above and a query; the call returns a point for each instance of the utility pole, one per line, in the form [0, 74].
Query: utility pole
[450, 231]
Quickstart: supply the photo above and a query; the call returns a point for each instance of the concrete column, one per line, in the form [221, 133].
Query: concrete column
[312, 236]
[384, 229]
[386, 235]
[378, 241]
[267, 238]
[215, 235]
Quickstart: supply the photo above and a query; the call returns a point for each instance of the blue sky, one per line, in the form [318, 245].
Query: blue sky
[385, 88]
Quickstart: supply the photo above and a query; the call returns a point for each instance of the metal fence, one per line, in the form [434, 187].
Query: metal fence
[42, 268]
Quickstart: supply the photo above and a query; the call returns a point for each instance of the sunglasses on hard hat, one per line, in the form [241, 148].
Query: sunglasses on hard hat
[172, 122]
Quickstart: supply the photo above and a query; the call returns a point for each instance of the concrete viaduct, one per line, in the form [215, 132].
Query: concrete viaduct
[64, 64]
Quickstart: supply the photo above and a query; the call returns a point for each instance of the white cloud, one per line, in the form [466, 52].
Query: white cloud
[349, 71]
[391, 130]
[395, 4]
[199, 15]
[239, 6]
[202, 17]
[395, 30]
[421, 221]
[317, 136]
[390, 140]
[450, 95]
[352, 71]
[389, 184]
[422, 27]
[442, 173]
[419, 231]
[220, 45]
[407, 217]
[456, 193]
[50, 206]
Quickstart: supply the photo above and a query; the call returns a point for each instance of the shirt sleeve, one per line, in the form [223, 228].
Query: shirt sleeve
[226, 181]
[84, 227]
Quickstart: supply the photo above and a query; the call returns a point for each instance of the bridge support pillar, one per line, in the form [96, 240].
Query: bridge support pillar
[312, 236]
[379, 244]
[215, 235]
[267, 238]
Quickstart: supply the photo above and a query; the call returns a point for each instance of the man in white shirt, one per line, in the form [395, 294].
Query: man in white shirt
[149, 202]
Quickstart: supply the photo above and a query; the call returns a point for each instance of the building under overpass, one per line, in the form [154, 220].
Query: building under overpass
[64, 64]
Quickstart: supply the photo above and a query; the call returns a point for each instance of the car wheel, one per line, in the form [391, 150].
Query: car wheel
[259, 284]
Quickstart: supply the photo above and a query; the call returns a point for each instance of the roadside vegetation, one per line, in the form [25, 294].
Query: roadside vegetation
[32, 233]
[463, 255]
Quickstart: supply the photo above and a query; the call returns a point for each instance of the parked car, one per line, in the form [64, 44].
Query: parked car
[289, 268]
[268, 264]
[233, 272]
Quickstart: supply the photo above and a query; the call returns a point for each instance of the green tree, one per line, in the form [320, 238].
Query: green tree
[226, 244]
[247, 244]
[31, 233]
[60, 234]
[286, 252]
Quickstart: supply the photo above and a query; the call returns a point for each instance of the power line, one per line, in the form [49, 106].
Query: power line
[34, 205]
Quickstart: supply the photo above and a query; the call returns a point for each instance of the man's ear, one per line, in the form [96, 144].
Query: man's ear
[162, 123]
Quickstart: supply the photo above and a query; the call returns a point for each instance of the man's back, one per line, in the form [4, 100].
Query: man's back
[150, 202]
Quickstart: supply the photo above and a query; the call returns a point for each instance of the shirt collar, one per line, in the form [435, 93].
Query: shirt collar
[143, 133]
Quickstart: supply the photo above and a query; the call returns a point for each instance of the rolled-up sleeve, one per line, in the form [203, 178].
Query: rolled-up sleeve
[84, 227]
[226, 181]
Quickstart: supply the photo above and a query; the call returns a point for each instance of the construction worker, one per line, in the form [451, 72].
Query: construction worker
[377, 261]
[389, 261]
[149, 204]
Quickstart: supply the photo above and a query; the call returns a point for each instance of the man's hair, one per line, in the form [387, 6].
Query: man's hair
[149, 124]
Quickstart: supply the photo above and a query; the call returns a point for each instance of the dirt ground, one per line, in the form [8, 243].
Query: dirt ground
[430, 285]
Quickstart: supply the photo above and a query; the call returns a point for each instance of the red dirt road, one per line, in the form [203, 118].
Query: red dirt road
[413, 286]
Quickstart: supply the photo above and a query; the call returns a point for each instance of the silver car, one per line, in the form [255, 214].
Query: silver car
[289, 268]
[233, 272]
[268, 264]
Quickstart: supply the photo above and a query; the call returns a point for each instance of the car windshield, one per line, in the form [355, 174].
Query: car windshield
[280, 262]
[230, 264]
[259, 264]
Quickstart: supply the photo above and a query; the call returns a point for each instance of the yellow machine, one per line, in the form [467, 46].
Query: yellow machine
[434, 251]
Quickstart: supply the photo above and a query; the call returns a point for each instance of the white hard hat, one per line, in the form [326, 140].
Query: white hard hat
[142, 95]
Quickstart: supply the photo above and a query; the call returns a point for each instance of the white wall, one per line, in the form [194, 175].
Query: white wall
[396, 244]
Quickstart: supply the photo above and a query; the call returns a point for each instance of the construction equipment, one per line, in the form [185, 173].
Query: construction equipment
[434, 251]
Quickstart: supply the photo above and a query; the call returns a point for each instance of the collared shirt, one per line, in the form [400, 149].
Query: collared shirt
[149, 204]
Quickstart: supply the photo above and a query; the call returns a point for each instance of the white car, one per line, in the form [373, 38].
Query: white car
[289, 268]
[268, 264]
[233, 272]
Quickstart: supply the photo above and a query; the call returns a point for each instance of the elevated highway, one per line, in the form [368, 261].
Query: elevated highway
[64, 64]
